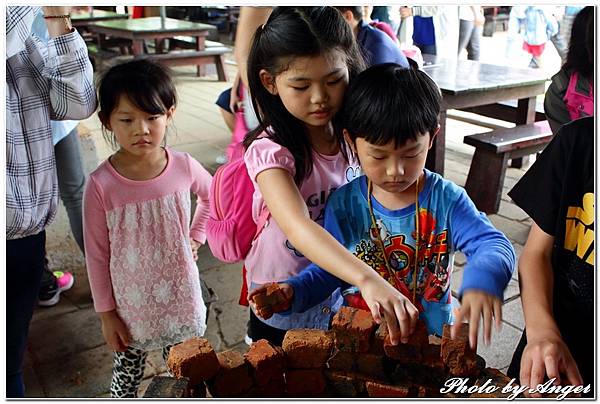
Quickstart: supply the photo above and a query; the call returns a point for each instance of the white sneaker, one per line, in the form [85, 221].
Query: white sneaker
[222, 159]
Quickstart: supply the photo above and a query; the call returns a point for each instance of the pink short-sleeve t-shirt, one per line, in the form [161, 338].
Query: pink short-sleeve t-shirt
[272, 258]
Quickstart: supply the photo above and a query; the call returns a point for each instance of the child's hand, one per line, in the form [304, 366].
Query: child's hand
[400, 314]
[547, 354]
[476, 304]
[195, 246]
[115, 332]
[271, 298]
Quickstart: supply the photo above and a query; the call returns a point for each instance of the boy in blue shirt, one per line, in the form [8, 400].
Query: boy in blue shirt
[399, 210]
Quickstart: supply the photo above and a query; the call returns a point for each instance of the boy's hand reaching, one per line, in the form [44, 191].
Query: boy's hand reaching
[477, 304]
[400, 314]
[115, 332]
[271, 298]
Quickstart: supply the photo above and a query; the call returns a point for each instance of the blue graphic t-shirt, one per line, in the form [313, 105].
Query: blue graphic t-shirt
[448, 222]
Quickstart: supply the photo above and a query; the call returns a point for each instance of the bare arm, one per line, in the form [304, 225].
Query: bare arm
[250, 19]
[291, 214]
[57, 26]
[545, 353]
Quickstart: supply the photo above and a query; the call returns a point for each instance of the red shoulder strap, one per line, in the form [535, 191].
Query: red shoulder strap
[263, 218]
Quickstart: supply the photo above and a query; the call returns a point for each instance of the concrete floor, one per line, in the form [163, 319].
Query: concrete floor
[67, 355]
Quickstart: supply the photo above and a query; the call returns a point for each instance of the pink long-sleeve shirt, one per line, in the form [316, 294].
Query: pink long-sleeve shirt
[138, 253]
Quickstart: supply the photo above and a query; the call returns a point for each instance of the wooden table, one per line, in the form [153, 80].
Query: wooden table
[151, 28]
[467, 83]
[83, 18]
[158, 29]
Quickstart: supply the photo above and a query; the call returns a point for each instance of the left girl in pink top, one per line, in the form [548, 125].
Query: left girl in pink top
[140, 248]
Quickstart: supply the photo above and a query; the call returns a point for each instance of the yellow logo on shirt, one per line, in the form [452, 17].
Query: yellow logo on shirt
[579, 232]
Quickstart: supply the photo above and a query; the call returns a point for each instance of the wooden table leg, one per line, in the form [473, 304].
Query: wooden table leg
[200, 46]
[138, 47]
[436, 155]
[525, 115]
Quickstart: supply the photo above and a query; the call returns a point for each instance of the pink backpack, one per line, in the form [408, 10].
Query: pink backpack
[230, 228]
[578, 104]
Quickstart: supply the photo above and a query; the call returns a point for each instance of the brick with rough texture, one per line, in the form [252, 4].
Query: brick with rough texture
[304, 382]
[195, 359]
[381, 390]
[233, 378]
[341, 360]
[457, 355]
[346, 384]
[307, 348]
[266, 361]
[271, 300]
[412, 351]
[353, 328]
[370, 364]
[379, 338]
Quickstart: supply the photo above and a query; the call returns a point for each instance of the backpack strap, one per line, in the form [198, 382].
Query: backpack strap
[263, 218]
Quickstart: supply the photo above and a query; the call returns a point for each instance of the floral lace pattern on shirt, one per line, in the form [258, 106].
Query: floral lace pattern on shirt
[155, 280]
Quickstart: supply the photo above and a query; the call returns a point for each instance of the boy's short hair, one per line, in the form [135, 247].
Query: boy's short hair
[388, 102]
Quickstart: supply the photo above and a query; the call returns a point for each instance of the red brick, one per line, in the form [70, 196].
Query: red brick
[370, 364]
[457, 355]
[412, 351]
[271, 300]
[432, 356]
[307, 348]
[274, 387]
[167, 387]
[340, 360]
[266, 361]
[304, 382]
[379, 338]
[233, 378]
[195, 359]
[353, 329]
[380, 390]
[198, 391]
[346, 384]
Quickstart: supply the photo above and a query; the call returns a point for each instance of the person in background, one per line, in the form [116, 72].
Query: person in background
[435, 29]
[375, 45]
[44, 81]
[237, 97]
[470, 30]
[71, 181]
[384, 26]
[556, 267]
[571, 93]
[537, 25]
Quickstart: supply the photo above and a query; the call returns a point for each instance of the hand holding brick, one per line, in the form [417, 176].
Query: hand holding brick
[271, 298]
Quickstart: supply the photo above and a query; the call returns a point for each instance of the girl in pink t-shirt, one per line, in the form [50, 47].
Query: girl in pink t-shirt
[299, 66]
[140, 247]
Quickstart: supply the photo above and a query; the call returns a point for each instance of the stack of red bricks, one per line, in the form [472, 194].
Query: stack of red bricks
[355, 359]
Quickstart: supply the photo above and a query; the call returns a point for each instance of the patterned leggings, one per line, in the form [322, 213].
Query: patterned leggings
[128, 371]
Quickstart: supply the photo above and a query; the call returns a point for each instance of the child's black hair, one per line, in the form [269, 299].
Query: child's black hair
[147, 85]
[388, 103]
[294, 32]
[580, 57]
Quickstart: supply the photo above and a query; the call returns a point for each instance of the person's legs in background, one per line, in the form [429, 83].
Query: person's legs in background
[474, 45]
[24, 267]
[223, 102]
[71, 183]
[427, 49]
[465, 31]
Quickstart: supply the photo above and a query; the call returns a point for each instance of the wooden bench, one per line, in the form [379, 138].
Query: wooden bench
[492, 152]
[505, 110]
[214, 55]
[188, 42]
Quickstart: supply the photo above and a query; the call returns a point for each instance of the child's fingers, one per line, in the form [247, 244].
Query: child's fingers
[376, 312]
[551, 363]
[487, 313]
[458, 320]
[392, 323]
[498, 313]
[474, 316]
[403, 321]
[525, 374]
[570, 371]
[413, 313]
